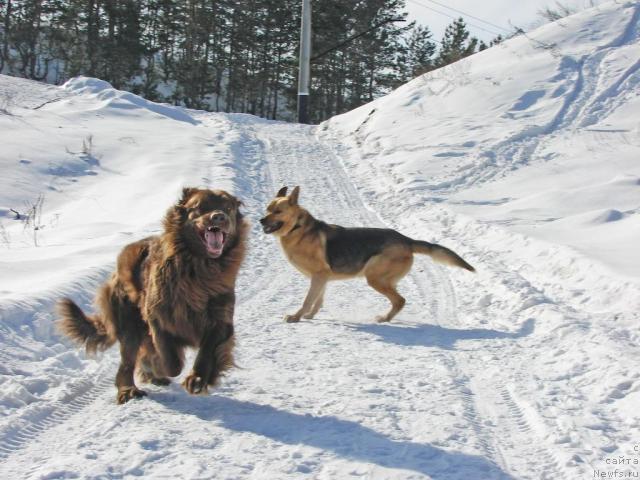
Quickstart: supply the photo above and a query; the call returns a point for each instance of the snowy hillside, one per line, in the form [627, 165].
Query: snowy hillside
[538, 134]
[524, 159]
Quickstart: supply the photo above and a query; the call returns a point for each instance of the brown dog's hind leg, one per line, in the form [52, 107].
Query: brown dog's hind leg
[123, 318]
[124, 378]
[149, 364]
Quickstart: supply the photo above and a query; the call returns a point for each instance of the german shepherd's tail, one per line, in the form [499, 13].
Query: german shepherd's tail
[88, 330]
[440, 254]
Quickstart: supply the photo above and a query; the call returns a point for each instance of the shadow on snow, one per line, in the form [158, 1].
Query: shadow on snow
[437, 336]
[345, 438]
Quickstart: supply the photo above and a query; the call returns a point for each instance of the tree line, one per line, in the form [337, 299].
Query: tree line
[224, 55]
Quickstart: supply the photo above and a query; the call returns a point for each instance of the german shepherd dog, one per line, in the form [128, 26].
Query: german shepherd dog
[168, 292]
[326, 252]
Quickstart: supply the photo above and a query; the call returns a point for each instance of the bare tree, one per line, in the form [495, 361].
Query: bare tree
[560, 10]
[32, 218]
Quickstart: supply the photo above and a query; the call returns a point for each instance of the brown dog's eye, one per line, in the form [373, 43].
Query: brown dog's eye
[275, 212]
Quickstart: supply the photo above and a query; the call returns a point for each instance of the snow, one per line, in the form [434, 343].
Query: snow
[523, 159]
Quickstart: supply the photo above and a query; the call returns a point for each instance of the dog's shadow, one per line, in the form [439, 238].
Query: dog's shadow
[345, 438]
[428, 335]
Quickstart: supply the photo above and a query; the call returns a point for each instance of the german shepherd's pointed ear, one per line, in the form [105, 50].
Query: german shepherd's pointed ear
[186, 194]
[282, 192]
[293, 197]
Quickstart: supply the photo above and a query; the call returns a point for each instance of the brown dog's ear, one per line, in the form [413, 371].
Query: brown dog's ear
[175, 217]
[186, 194]
[293, 198]
[282, 192]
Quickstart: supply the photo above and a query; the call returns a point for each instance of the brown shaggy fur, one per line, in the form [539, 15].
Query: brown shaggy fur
[169, 292]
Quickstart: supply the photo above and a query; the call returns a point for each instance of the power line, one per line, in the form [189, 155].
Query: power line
[470, 16]
[353, 37]
[451, 16]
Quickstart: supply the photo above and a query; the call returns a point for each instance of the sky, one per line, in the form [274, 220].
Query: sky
[500, 13]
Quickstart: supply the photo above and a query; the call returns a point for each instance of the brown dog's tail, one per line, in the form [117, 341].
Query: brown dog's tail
[85, 330]
[440, 254]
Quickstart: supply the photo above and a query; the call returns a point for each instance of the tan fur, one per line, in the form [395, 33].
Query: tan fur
[306, 243]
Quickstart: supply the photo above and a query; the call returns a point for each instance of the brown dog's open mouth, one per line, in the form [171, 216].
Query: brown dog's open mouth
[272, 227]
[214, 239]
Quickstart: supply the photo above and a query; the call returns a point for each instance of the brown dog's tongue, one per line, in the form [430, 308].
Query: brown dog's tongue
[214, 240]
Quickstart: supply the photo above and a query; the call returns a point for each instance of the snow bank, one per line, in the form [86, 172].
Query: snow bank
[531, 136]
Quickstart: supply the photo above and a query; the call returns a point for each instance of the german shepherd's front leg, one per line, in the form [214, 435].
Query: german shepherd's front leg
[316, 289]
[215, 353]
[316, 306]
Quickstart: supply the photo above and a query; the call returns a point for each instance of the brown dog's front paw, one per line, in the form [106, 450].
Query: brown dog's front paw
[292, 318]
[194, 384]
[383, 319]
[127, 393]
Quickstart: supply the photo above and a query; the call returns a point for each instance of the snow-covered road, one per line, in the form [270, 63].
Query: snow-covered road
[523, 159]
[427, 396]
[331, 397]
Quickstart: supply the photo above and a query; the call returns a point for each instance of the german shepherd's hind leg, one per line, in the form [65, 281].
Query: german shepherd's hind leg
[384, 271]
[389, 291]
[316, 289]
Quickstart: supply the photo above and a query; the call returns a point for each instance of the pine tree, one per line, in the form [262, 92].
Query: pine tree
[5, 20]
[233, 55]
[361, 69]
[456, 43]
[420, 51]
[120, 50]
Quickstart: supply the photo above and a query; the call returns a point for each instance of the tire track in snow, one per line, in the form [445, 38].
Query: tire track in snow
[433, 283]
[41, 415]
[41, 418]
[80, 395]
[516, 430]
[487, 413]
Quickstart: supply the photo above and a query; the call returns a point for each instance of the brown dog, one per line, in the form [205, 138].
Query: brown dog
[168, 292]
[329, 252]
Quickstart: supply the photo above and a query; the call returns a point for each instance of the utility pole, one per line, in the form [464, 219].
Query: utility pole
[304, 73]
